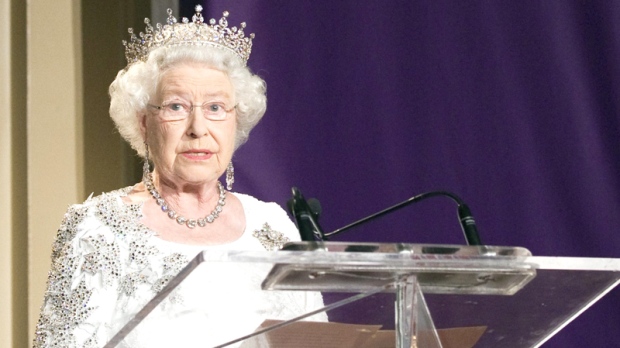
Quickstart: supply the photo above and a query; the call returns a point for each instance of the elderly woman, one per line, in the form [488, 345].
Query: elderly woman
[185, 102]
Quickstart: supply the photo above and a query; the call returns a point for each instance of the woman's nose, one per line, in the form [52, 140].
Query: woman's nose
[198, 124]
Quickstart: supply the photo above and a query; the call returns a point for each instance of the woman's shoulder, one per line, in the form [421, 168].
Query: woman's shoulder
[105, 206]
[255, 207]
[106, 209]
[268, 222]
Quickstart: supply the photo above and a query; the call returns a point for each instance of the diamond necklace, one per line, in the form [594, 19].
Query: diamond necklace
[181, 220]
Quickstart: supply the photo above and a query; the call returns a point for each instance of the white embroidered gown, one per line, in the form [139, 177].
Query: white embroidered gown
[106, 266]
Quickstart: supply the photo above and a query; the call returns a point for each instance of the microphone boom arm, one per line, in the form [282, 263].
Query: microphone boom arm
[465, 217]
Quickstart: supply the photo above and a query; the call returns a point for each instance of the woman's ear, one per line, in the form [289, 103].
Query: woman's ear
[142, 124]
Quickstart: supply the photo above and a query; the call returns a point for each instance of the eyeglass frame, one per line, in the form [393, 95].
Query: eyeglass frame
[192, 108]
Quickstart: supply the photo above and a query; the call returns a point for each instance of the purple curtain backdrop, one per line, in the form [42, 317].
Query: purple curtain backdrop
[512, 105]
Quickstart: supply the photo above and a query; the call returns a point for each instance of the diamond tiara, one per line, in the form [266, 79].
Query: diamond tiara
[194, 33]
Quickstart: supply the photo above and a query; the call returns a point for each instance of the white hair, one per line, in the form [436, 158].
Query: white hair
[133, 88]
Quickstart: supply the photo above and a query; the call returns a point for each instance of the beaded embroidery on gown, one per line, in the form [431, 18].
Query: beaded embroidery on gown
[106, 266]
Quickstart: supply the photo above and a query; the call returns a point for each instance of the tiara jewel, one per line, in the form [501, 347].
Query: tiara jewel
[194, 33]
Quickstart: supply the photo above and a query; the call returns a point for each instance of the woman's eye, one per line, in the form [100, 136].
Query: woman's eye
[215, 107]
[175, 107]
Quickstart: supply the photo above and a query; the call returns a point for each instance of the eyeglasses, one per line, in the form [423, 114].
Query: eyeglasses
[177, 111]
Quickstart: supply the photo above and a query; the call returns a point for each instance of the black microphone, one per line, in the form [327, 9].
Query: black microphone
[468, 224]
[305, 217]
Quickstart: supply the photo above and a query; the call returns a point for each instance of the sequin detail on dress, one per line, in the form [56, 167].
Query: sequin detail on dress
[102, 245]
[270, 239]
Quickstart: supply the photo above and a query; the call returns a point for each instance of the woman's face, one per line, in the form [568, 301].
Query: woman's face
[195, 150]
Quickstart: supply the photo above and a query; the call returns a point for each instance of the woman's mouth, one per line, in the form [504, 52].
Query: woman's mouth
[197, 155]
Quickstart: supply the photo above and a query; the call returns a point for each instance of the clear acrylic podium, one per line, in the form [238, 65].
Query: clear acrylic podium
[501, 295]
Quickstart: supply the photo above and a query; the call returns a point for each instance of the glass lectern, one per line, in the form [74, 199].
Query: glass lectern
[409, 295]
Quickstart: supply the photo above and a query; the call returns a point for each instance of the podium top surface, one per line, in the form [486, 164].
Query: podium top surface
[422, 256]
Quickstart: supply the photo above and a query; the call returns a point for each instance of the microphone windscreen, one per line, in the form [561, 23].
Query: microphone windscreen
[315, 206]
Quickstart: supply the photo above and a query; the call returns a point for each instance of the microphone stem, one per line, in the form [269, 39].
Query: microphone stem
[393, 208]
